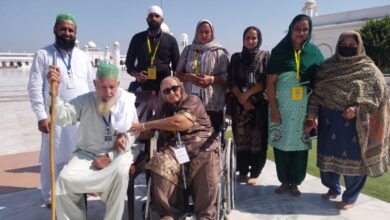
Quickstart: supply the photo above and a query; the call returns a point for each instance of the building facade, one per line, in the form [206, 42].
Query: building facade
[327, 28]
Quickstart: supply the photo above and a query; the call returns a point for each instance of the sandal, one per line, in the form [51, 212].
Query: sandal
[252, 181]
[294, 191]
[344, 206]
[328, 196]
[282, 188]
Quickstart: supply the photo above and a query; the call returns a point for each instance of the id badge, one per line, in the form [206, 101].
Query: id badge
[181, 155]
[152, 72]
[70, 81]
[297, 93]
[107, 138]
[195, 89]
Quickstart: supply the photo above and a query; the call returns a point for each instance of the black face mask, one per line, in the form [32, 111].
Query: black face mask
[66, 44]
[347, 51]
[153, 25]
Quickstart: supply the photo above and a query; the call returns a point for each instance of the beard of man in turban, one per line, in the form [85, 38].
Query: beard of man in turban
[65, 42]
[104, 107]
[106, 85]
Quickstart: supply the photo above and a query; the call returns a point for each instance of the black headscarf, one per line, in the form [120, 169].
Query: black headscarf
[248, 55]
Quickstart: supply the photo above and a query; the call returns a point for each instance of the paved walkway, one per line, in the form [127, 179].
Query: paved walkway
[19, 175]
[22, 199]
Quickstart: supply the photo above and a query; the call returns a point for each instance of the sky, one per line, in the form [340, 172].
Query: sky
[27, 25]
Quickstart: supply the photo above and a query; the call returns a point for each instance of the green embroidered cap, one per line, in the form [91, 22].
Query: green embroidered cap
[65, 17]
[107, 71]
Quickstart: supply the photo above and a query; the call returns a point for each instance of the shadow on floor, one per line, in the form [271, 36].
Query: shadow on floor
[12, 189]
[33, 169]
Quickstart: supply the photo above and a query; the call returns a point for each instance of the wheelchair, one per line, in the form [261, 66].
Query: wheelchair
[226, 186]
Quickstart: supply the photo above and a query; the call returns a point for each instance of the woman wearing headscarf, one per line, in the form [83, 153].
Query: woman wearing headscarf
[247, 81]
[185, 115]
[353, 124]
[203, 69]
[291, 66]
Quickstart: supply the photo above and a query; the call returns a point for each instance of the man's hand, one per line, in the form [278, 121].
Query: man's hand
[101, 162]
[120, 143]
[141, 76]
[44, 125]
[54, 74]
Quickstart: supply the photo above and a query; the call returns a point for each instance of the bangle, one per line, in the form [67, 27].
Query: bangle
[143, 126]
[212, 80]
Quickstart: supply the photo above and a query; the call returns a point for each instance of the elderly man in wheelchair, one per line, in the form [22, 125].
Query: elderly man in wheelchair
[188, 157]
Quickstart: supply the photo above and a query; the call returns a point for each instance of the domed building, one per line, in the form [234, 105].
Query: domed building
[327, 28]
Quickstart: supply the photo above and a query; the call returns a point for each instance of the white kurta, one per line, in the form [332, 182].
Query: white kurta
[79, 176]
[38, 89]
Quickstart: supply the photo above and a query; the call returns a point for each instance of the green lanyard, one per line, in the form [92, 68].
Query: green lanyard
[150, 50]
[196, 64]
[297, 62]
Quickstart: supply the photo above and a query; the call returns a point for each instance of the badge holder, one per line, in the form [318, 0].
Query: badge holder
[195, 89]
[108, 136]
[70, 81]
[297, 93]
[152, 72]
[180, 151]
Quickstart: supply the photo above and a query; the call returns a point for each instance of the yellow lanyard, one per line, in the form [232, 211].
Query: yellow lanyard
[297, 61]
[196, 64]
[150, 50]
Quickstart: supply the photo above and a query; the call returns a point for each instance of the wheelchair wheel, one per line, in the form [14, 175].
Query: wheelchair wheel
[230, 172]
[219, 202]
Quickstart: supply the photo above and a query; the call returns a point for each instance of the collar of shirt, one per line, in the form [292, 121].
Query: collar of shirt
[154, 37]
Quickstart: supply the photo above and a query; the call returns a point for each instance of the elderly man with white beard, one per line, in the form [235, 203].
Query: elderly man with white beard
[104, 149]
[77, 74]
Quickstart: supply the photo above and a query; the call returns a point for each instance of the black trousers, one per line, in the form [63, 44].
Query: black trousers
[254, 160]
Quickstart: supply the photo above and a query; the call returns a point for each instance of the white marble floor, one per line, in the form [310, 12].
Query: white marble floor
[253, 202]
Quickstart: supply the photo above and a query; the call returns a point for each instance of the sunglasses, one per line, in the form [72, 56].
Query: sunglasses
[167, 91]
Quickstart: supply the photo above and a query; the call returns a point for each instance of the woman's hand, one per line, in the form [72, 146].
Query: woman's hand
[204, 80]
[189, 77]
[309, 125]
[243, 98]
[137, 128]
[350, 113]
[248, 105]
[275, 116]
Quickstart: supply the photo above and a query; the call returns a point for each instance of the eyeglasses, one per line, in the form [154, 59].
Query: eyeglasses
[167, 91]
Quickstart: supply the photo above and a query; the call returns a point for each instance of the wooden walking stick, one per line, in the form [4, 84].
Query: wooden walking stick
[53, 93]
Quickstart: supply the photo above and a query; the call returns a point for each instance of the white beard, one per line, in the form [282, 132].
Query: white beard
[104, 107]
